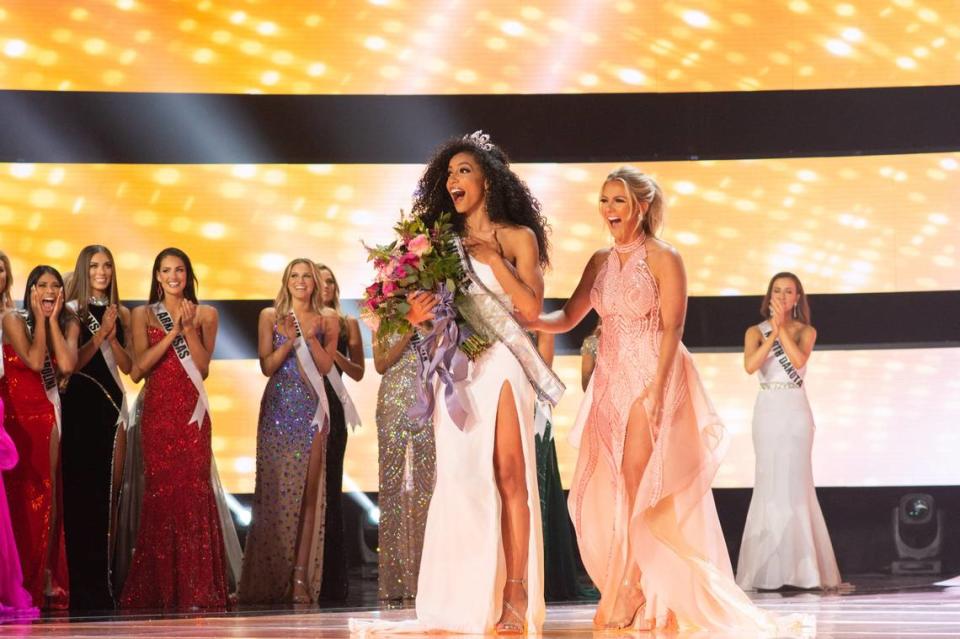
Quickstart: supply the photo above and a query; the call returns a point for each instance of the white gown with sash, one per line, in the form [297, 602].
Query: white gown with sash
[785, 539]
[462, 570]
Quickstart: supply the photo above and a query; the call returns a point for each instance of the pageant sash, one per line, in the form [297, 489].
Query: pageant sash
[48, 376]
[321, 418]
[182, 349]
[781, 356]
[488, 314]
[93, 325]
[350, 414]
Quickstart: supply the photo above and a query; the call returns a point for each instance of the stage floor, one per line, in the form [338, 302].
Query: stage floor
[877, 608]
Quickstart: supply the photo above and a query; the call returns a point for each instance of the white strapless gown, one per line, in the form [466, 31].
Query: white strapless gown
[462, 570]
[785, 539]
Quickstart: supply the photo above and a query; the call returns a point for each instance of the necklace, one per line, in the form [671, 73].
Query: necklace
[630, 246]
[99, 301]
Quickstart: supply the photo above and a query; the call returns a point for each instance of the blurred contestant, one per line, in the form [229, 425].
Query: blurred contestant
[348, 358]
[785, 540]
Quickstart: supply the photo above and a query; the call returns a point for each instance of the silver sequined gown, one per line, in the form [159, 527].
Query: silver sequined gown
[284, 440]
[407, 458]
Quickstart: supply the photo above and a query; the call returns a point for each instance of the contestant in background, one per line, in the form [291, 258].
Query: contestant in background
[180, 560]
[40, 347]
[559, 550]
[6, 297]
[407, 457]
[785, 540]
[15, 601]
[94, 412]
[348, 359]
[283, 559]
[651, 441]
[588, 355]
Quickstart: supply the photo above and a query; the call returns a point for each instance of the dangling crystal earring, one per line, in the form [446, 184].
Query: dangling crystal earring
[159, 291]
[796, 314]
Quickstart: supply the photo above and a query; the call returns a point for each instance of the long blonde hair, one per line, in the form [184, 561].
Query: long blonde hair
[78, 284]
[642, 188]
[6, 298]
[336, 288]
[284, 301]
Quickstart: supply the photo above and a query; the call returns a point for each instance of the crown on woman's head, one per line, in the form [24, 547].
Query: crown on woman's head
[481, 139]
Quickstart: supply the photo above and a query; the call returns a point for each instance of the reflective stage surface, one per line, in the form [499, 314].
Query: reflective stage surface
[877, 607]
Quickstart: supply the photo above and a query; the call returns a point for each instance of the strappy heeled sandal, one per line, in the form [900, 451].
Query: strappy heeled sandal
[299, 572]
[631, 622]
[519, 626]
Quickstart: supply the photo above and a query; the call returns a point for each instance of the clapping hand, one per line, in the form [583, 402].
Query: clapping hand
[188, 315]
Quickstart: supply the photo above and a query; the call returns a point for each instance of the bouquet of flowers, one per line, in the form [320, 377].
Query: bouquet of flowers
[420, 259]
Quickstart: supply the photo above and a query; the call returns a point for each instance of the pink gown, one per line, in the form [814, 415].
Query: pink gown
[15, 601]
[673, 529]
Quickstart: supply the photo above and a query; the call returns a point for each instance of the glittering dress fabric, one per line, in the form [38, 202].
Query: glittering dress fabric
[334, 585]
[407, 459]
[30, 421]
[15, 601]
[559, 550]
[91, 406]
[179, 557]
[285, 437]
[674, 533]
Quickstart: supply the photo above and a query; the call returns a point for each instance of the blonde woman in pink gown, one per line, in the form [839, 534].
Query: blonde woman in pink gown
[650, 440]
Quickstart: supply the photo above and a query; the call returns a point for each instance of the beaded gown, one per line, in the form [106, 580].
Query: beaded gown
[285, 438]
[334, 583]
[179, 559]
[785, 539]
[407, 457]
[14, 599]
[463, 568]
[91, 406]
[30, 422]
[672, 525]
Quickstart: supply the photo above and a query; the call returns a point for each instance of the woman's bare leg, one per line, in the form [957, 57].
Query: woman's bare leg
[510, 471]
[300, 587]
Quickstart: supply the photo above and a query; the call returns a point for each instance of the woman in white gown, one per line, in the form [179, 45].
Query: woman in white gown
[482, 566]
[785, 540]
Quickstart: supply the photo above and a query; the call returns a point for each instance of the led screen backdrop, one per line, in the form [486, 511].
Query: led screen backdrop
[884, 220]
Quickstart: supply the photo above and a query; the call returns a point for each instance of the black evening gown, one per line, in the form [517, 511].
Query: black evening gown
[334, 584]
[91, 405]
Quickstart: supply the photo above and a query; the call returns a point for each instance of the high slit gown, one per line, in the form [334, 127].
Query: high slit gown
[463, 570]
[672, 525]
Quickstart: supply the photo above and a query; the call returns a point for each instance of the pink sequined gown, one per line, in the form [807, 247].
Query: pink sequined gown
[14, 598]
[673, 528]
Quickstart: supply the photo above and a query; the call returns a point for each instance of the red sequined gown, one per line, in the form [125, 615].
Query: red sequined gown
[30, 422]
[179, 558]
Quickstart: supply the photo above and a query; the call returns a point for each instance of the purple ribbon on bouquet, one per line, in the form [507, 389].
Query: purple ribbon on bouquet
[438, 353]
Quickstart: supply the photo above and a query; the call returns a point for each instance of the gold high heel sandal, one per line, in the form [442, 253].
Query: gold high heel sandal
[636, 592]
[518, 627]
[299, 572]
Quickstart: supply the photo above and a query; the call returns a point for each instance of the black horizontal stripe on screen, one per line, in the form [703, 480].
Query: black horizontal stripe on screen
[73, 127]
[714, 324]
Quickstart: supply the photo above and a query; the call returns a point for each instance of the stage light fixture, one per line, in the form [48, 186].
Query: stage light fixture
[917, 533]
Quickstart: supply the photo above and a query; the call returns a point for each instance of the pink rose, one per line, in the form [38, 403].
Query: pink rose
[389, 288]
[419, 245]
[411, 259]
[372, 290]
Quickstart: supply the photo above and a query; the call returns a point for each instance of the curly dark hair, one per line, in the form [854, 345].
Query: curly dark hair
[508, 198]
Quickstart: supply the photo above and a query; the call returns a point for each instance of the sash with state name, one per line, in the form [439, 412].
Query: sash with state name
[781, 356]
[182, 349]
[48, 376]
[93, 325]
[321, 416]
